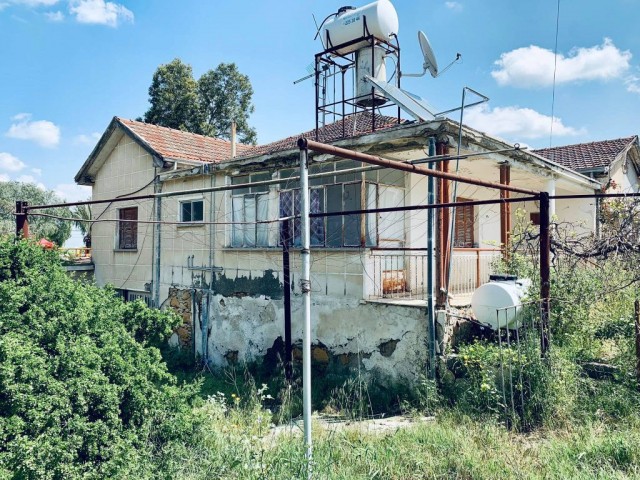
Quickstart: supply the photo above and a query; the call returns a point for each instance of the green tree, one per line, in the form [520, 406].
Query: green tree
[56, 230]
[225, 96]
[207, 106]
[84, 392]
[173, 95]
[82, 213]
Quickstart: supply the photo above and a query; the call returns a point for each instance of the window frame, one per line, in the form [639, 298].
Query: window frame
[260, 235]
[127, 227]
[190, 201]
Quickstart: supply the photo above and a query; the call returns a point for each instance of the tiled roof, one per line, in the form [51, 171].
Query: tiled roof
[179, 145]
[354, 125]
[586, 156]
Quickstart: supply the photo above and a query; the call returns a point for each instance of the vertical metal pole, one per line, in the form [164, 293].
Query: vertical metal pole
[431, 303]
[286, 235]
[637, 323]
[545, 271]
[305, 284]
[157, 230]
[22, 222]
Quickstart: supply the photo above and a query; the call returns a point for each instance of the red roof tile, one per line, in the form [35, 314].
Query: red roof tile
[586, 156]
[349, 127]
[179, 145]
[176, 144]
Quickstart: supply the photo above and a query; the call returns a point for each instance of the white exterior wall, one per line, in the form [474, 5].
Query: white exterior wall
[625, 182]
[127, 169]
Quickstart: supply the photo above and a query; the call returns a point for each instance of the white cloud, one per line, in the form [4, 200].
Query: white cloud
[455, 6]
[43, 132]
[84, 139]
[632, 83]
[10, 163]
[516, 122]
[100, 12]
[37, 171]
[4, 177]
[54, 16]
[70, 192]
[533, 66]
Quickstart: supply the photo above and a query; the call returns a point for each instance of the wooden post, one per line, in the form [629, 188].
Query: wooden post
[22, 221]
[442, 227]
[478, 277]
[637, 322]
[505, 210]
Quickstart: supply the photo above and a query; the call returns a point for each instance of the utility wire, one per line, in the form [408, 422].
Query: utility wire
[555, 67]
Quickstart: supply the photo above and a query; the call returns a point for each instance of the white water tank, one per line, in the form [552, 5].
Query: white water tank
[498, 303]
[349, 24]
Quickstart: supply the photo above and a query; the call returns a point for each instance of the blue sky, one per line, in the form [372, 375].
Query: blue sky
[69, 66]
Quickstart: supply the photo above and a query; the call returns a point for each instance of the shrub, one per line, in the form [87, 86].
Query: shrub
[82, 391]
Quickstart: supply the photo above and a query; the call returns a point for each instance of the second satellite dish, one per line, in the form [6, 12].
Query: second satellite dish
[430, 62]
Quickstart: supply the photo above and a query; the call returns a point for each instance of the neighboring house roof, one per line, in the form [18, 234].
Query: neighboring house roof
[178, 145]
[349, 127]
[588, 156]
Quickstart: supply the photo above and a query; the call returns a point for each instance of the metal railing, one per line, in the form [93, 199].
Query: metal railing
[471, 268]
[398, 275]
[403, 274]
[79, 252]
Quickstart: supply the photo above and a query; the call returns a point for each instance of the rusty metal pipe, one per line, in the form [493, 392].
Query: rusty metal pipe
[407, 167]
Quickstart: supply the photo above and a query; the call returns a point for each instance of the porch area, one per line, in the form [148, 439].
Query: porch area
[400, 277]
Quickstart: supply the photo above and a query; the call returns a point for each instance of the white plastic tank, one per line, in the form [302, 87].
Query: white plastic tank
[498, 303]
[372, 64]
[349, 24]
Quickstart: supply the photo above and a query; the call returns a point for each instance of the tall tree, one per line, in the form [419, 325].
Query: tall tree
[225, 96]
[207, 106]
[173, 95]
[57, 231]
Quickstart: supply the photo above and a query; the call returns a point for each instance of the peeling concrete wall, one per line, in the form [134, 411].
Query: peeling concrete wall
[381, 338]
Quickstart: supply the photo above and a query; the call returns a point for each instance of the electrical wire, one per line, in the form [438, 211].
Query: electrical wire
[555, 67]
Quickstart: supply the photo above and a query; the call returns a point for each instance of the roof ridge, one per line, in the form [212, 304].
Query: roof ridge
[177, 130]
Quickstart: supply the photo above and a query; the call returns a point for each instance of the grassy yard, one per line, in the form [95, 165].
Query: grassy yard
[453, 446]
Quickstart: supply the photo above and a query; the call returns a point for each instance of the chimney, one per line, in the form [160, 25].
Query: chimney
[233, 139]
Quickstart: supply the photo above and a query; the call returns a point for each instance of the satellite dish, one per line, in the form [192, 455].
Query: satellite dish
[430, 62]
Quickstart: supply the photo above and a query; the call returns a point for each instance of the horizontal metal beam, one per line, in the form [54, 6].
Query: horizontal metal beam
[407, 167]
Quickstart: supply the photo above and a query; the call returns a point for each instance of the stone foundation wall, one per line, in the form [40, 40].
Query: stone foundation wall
[180, 301]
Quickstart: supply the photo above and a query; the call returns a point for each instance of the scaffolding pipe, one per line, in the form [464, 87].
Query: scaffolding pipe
[305, 286]
[545, 271]
[304, 143]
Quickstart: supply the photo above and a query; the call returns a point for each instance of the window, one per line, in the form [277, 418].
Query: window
[192, 211]
[345, 191]
[290, 206]
[465, 225]
[534, 218]
[248, 206]
[128, 228]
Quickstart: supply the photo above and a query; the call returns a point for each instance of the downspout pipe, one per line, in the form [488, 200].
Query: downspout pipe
[157, 230]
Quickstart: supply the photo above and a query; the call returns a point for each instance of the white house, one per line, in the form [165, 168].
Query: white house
[216, 256]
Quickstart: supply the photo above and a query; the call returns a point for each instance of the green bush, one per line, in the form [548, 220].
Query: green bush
[83, 393]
